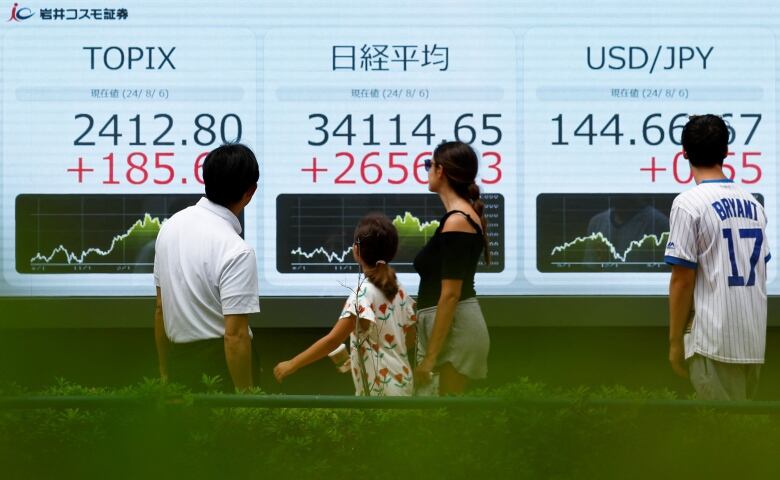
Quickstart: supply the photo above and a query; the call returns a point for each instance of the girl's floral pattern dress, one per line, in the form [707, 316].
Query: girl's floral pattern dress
[382, 347]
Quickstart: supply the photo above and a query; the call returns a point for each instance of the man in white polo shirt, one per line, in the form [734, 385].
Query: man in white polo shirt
[206, 278]
[718, 251]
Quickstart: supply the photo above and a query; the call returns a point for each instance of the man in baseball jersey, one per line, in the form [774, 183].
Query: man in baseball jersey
[718, 251]
[206, 278]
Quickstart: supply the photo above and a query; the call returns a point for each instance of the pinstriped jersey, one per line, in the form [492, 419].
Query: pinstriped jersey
[720, 230]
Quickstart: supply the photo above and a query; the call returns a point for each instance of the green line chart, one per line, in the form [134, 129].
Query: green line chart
[315, 232]
[602, 232]
[600, 246]
[91, 233]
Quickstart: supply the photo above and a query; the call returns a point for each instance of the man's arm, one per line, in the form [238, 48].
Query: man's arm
[681, 288]
[160, 338]
[238, 350]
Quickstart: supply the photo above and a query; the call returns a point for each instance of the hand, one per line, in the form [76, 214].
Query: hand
[677, 358]
[283, 369]
[423, 374]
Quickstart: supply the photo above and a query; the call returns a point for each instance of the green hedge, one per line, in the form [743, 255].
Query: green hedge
[182, 441]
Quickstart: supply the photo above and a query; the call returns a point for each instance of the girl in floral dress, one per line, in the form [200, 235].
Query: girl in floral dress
[378, 317]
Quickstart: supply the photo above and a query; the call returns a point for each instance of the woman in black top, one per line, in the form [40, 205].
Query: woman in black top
[453, 337]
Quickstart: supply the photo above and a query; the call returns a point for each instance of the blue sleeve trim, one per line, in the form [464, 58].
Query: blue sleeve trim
[718, 180]
[681, 262]
[768, 258]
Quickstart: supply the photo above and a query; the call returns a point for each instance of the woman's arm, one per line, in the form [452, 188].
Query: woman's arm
[411, 337]
[445, 311]
[318, 350]
[445, 308]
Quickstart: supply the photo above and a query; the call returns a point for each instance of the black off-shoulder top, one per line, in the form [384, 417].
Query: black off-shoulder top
[448, 255]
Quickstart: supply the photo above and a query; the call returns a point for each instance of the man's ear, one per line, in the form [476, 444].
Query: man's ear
[250, 193]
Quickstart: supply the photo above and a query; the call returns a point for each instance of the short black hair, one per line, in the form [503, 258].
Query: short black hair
[228, 172]
[705, 139]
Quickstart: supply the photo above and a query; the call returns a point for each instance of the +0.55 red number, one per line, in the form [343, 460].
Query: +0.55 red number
[731, 173]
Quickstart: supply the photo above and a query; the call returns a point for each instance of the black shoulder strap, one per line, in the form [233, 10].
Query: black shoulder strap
[474, 224]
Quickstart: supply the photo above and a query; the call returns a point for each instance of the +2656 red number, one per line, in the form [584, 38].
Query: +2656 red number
[373, 167]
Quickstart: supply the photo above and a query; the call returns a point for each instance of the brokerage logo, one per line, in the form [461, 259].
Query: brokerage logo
[18, 14]
[59, 14]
